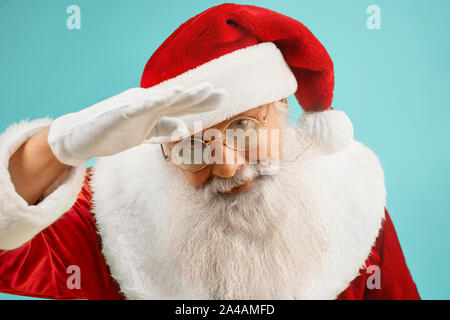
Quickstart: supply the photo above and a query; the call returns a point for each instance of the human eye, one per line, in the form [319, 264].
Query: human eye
[239, 124]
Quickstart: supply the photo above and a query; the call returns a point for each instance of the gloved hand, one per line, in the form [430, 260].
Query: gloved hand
[126, 120]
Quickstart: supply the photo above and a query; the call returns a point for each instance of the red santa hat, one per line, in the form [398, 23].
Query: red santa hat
[258, 56]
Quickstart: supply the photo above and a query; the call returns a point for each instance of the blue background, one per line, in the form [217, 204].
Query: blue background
[393, 83]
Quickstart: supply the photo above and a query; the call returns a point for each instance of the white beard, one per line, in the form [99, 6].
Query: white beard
[303, 233]
[254, 245]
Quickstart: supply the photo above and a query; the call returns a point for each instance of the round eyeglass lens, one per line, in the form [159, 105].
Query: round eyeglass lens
[242, 134]
[191, 154]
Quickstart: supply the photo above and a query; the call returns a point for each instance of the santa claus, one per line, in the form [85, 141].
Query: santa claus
[297, 213]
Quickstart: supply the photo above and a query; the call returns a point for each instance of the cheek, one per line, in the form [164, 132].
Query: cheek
[274, 142]
[198, 178]
[271, 144]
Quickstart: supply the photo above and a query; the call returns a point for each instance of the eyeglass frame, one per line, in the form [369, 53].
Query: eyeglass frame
[169, 158]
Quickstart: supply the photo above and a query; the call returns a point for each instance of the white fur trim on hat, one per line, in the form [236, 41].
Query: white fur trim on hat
[330, 131]
[20, 222]
[252, 76]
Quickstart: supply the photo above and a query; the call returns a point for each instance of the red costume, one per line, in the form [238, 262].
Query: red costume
[38, 268]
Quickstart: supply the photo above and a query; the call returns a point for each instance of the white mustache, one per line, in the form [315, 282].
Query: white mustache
[246, 174]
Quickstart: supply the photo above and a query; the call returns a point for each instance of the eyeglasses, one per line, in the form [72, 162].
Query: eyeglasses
[194, 154]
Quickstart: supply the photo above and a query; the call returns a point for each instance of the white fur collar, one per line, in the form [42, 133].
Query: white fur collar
[130, 196]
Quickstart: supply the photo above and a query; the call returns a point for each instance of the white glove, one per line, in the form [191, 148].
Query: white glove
[126, 120]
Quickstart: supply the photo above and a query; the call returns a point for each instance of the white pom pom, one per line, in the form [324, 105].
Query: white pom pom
[331, 131]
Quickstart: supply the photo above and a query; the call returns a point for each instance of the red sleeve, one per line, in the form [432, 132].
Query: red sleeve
[40, 267]
[396, 282]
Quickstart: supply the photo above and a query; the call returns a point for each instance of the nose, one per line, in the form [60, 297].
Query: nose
[226, 161]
